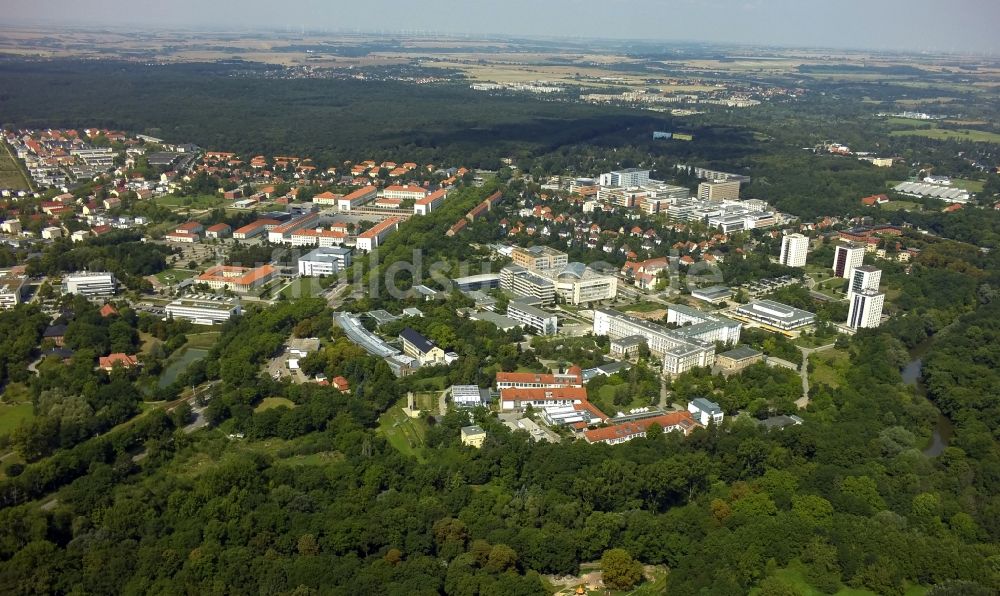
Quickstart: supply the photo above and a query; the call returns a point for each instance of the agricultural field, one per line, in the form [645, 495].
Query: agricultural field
[11, 174]
[969, 185]
[942, 134]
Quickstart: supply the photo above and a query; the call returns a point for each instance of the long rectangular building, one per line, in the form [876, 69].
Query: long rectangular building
[204, 309]
[777, 315]
[283, 232]
[534, 318]
[90, 283]
[373, 237]
[626, 431]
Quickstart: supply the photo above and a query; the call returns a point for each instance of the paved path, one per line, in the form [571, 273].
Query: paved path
[803, 401]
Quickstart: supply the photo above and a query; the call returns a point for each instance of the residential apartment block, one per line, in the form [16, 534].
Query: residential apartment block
[846, 257]
[794, 249]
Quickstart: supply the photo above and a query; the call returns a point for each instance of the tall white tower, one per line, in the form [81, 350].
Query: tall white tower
[864, 278]
[865, 309]
[794, 248]
[846, 258]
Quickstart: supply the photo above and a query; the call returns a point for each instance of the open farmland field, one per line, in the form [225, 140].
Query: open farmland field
[941, 134]
[11, 175]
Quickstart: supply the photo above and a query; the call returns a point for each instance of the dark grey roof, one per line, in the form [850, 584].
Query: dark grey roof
[420, 342]
[741, 353]
[55, 331]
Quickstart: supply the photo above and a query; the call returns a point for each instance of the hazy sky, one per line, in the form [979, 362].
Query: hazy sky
[937, 25]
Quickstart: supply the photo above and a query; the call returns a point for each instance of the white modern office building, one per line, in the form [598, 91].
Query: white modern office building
[324, 261]
[775, 314]
[794, 248]
[90, 283]
[865, 309]
[627, 178]
[846, 257]
[534, 318]
[204, 309]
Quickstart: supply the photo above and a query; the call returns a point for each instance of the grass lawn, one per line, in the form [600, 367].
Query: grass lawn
[12, 415]
[427, 400]
[795, 576]
[204, 339]
[172, 276]
[829, 367]
[969, 185]
[605, 400]
[273, 402]
[404, 433]
[904, 205]
[430, 384]
[304, 287]
[941, 134]
[196, 202]
[11, 175]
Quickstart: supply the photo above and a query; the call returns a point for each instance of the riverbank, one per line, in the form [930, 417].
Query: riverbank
[912, 375]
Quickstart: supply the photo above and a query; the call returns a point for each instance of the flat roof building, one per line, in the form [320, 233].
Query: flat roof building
[11, 290]
[521, 281]
[473, 436]
[539, 258]
[534, 318]
[90, 283]
[719, 190]
[483, 281]
[713, 295]
[738, 358]
[705, 411]
[204, 309]
[324, 261]
[776, 314]
[469, 396]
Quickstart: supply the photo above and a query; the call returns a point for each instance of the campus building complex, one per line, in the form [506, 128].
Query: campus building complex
[682, 349]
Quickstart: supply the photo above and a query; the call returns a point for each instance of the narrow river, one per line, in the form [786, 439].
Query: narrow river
[943, 429]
